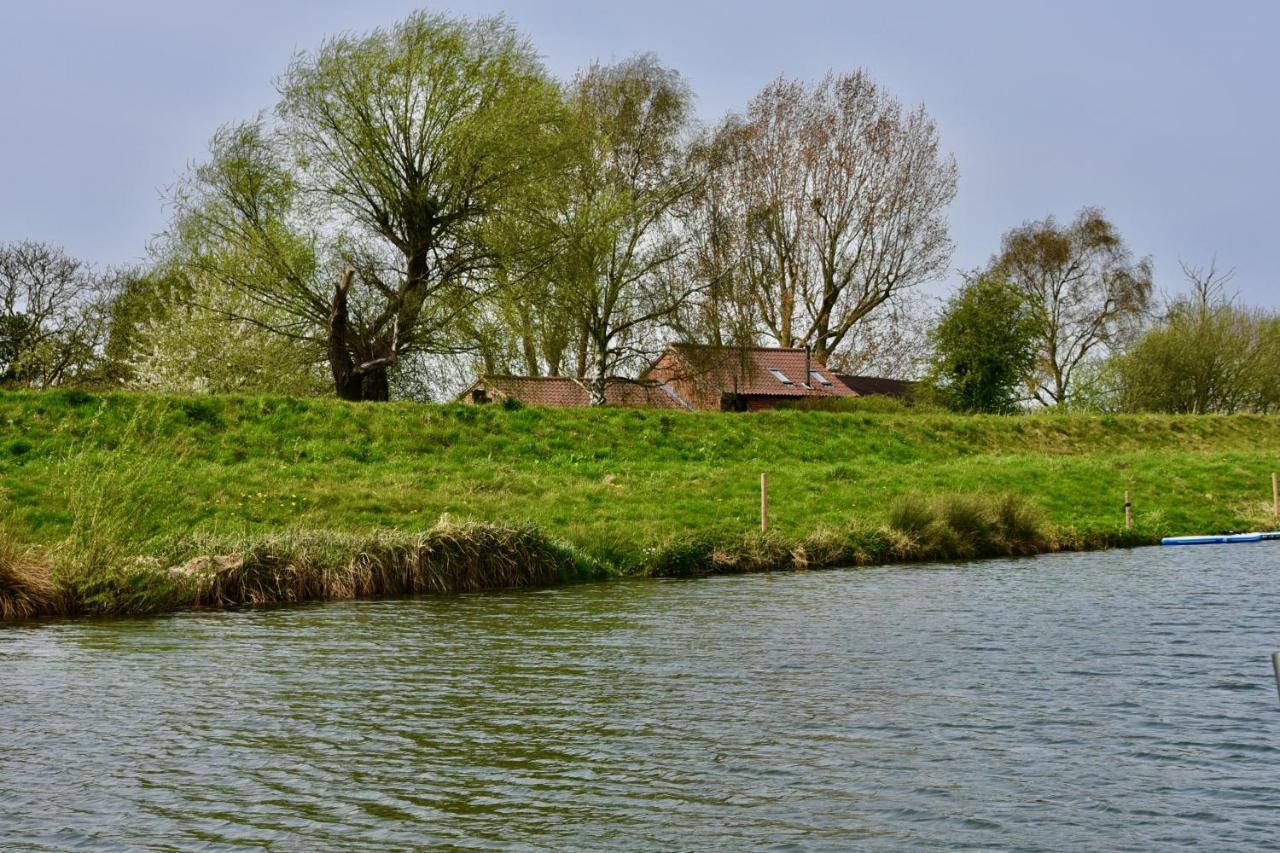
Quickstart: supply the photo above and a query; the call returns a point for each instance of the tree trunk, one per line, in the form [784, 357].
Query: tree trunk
[368, 381]
[580, 362]
[375, 385]
[598, 383]
[529, 345]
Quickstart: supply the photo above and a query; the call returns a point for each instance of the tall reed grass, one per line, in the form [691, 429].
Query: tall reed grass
[219, 572]
[920, 528]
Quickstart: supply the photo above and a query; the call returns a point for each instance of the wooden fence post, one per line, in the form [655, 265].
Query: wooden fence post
[764, 503]
[1275, 494]
[1128, 511]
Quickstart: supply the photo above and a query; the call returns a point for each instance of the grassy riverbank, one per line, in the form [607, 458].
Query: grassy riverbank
[106, 494]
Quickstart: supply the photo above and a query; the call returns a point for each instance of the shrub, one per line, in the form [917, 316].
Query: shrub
[984, 347]
[200, 412]
[74, 397]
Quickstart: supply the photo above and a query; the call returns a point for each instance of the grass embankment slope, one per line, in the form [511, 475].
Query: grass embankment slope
[626, 490]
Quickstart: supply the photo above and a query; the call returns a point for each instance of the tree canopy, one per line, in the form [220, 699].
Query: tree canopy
[54, 315]
[1206, 355]
[1087, 294]
[829, 201]
[984, 345]
[357, 213]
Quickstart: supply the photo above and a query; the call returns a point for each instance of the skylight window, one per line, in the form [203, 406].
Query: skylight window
[780, 376]
[818, 376]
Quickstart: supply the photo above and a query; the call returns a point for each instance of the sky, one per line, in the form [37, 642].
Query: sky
[1162, 113]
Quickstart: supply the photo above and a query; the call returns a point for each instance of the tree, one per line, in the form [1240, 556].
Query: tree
[724, 312]
[984, 344]
[357, 218]
[53, 315]
[1207, 354]
[832, 199]
[607, 227]
[1086, 291]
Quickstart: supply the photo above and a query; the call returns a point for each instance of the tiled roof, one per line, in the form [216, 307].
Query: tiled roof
[864, 385]
[750, 371]
[629, 392]
[567, 392]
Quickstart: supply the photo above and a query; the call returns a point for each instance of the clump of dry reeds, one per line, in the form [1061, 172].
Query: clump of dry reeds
[26, 583]
[315, 566]
[289, 568]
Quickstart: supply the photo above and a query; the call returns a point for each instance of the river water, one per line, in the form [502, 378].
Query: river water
[1119, 700]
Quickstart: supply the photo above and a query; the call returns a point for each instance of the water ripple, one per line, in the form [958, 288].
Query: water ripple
[1102, 701]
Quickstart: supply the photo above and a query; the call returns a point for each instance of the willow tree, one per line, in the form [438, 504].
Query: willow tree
[356, 214]
[608, 227]
[836, 196]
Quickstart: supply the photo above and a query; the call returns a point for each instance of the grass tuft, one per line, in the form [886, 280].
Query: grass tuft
[964, 526]
[919, 528]
[26, 583]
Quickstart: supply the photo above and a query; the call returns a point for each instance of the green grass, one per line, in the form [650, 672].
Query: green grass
[103, 478]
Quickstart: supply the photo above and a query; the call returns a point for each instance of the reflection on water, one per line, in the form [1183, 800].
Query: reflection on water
[1102, 701]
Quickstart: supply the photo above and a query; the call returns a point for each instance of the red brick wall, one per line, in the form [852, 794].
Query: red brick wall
[760, 404]
[671, 370]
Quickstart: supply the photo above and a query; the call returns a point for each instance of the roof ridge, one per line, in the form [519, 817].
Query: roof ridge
[719, 346]
[570, 378]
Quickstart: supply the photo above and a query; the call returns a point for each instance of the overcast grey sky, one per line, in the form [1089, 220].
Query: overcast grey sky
[1163, 113]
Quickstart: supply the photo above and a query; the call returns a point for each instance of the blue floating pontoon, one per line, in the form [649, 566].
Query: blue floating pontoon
[1222, 539]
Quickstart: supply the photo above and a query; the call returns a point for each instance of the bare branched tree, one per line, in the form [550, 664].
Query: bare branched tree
[53, 315]
[1208, 284]
[838, 196]
[1086, 290]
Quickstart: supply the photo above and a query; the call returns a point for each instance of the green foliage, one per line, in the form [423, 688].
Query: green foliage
[985, 346]
[969, 525]
[595, 247]
[53, 316]
[117, 506]
[885, 404]
[918, 528]
[1206, 356]
[395, 154]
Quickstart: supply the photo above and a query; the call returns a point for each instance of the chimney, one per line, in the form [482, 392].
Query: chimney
[808, 374]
